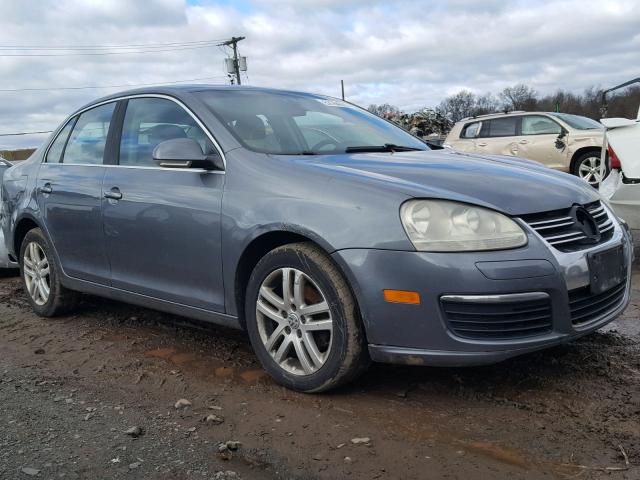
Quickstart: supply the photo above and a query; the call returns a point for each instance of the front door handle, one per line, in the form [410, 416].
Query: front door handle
[523, 142]
[483, 144]
[46, 189]
[113, 194]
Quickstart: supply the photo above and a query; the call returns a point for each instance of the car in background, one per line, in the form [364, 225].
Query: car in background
[621, 188]
[5, 261]
[570, 143]
[330, 235]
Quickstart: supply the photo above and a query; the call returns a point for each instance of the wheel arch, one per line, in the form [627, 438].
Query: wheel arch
[262, 244]
[23, 226]
[580, 152]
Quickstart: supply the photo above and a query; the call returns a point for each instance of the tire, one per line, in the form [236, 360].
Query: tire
[583, 165]
[59, 299]
[320, 340]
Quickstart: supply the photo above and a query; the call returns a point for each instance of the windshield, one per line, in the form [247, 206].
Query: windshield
[578, 122]
[298, 124]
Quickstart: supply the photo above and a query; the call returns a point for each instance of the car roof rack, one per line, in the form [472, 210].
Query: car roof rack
[492, 114]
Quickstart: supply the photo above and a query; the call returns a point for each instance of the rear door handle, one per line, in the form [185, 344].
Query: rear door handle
[113, 194]
[483, 144]
[46, 189]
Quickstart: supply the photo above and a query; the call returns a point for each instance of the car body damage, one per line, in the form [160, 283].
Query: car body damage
[622, 186]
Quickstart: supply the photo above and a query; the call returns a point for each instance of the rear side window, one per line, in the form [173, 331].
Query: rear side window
[88, 139]
[57, 147]
[500, 127]
[150, 121]
[471, 130]
[539, 125]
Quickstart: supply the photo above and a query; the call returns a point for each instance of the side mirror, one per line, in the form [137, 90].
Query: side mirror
[563, 132]
[185, 153]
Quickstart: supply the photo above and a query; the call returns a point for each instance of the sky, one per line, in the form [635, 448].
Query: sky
[408, 53]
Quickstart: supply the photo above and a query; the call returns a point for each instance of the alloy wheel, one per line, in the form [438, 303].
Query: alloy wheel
[37, 273]
[294, 321]
[589, 170]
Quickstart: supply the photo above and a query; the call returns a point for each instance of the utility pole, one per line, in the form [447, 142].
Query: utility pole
[233, 43]
[342, 86]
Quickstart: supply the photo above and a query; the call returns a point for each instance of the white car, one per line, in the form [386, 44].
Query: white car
[622, 187]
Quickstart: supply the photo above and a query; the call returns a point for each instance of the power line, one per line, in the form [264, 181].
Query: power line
[23, 133]
[104, 53]
[103, 47]
[107, 86]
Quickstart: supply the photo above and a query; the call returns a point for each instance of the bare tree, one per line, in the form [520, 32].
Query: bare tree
[519, 97]
[458, 106]
[384, 110]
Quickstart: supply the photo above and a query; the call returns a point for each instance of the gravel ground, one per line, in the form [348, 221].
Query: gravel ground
[94, 396]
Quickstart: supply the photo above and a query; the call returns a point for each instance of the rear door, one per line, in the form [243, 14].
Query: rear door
[162, 225]
[69, 193]
[498, 136]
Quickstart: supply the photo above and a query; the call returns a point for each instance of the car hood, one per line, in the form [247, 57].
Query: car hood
[511, 185]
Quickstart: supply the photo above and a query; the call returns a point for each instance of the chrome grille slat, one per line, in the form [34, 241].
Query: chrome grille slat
[564, 219]
[560, 230]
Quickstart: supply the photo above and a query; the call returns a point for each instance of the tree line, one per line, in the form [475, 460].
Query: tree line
[522, 97]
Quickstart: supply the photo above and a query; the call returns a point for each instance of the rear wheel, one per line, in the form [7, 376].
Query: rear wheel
[587, 167]
[302, 320]
[41, 278]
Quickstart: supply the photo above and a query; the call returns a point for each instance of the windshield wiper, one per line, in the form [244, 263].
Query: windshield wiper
[387, 147]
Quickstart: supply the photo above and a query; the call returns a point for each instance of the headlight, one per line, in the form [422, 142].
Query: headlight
[445, 226]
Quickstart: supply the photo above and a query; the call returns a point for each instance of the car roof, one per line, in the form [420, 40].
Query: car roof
[178, 90]
[490, 116]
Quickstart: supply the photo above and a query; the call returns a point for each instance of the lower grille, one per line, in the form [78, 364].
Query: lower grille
[498, 317]
[586, 307]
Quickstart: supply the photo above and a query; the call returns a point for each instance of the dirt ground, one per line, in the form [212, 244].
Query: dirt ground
[71, 387]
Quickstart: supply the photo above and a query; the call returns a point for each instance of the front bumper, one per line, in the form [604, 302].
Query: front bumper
[422, 334]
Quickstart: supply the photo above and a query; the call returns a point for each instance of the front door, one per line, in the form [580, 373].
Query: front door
[539, 141]
[162, 225]
[69, 193]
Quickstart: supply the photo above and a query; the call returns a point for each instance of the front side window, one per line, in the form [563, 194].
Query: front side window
[57, 147]
[500, 127]
[88, 138]
[286, 123]
[471, 130]
[539, 125]
[150, 121]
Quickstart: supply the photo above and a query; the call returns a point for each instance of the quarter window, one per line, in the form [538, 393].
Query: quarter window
[150, 121]
[89, 136]
[471, 130]
[539, 125]
[57, 147]
[500, 127]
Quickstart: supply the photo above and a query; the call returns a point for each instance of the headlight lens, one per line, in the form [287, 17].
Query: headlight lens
[445, 226]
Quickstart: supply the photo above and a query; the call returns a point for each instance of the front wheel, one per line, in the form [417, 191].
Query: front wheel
[41, 278]
[303, 321]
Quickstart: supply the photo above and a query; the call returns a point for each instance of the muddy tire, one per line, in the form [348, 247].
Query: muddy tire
[41, 278]
[303, 321]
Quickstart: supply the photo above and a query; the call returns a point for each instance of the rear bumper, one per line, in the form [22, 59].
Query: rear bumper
[425, 334]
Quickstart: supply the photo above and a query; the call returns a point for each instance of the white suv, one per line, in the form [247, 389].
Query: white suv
[570, 143]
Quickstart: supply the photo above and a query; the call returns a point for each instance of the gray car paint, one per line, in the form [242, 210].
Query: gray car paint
[348, 204]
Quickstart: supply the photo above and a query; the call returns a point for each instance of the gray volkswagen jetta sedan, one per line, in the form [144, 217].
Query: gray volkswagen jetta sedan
[328, 234]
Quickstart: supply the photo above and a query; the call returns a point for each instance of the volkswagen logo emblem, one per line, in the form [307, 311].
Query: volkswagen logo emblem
[585, 223]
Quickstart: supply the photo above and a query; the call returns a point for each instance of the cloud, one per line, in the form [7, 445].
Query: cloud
[408, 53]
